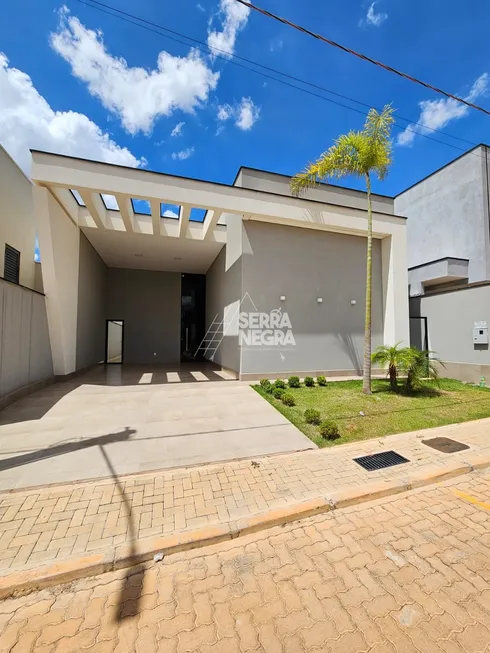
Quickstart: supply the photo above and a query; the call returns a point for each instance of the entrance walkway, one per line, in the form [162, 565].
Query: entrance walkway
[117, 420]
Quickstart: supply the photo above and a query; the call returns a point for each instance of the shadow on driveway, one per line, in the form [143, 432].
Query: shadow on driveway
[68, 447]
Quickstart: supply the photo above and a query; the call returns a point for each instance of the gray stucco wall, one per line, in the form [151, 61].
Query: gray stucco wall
[223, 294]
[450, 320]
[150, 305]
[25, 351]
[303, 265]
[274, 183]
[92, 288]
[448, 215]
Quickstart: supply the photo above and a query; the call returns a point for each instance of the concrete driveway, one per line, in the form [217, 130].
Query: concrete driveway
[119, 420]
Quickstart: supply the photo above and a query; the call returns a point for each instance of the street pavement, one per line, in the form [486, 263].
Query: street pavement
[406, 574]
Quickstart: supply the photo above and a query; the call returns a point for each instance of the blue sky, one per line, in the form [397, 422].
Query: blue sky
[84, 83]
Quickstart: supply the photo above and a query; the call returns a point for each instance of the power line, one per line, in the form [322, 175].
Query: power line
[390, 69]
[229, 58]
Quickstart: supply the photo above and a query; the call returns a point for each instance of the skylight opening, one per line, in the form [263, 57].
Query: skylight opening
[141, 207]
[169, 211]
[110, 202]
[197, 215]
[78, 197]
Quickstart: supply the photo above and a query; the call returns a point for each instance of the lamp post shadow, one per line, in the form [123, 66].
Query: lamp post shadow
[128, 604]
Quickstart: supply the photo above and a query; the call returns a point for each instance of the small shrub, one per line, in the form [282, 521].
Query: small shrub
[321, 380]
[266, 385]
[312, 416]
[279, 383]
[309, 381]
[293, 382]
[278, 393]
[329, 430]
[288, 399]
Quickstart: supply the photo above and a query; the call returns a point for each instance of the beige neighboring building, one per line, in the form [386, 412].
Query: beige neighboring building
[17, 226]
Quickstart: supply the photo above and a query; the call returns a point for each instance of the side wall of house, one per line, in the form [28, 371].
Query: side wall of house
[92, 291]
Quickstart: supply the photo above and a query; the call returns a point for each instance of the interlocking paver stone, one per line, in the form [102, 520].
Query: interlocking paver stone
[225, 599]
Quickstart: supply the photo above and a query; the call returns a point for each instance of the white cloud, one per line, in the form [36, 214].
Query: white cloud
[183, 154]
[136, 95]
[27, 121]
[234, 17]
[200, 7]
[177, 130]
[373, 18]
[248, 114]
[436, 114]
[276, 45]
[225, 111]
[169, 214]
[245, 113]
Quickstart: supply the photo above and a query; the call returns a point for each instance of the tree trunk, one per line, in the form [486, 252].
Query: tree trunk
[366, 381]
[393, 374]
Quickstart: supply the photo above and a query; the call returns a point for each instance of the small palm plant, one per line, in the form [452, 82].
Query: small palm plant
[361, 154]
[396, 358]
[421, 365]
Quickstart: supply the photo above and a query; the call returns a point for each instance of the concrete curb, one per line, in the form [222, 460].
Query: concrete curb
[29, 580]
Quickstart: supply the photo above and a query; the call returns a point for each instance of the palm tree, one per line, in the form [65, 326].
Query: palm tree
[361, 154]
[395, 358]
[421, 365]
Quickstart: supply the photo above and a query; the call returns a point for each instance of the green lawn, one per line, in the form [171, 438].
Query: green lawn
[385, 412]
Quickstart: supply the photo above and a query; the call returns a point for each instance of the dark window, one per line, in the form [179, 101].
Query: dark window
[11, 264]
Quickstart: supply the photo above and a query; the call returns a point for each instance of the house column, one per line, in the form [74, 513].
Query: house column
[396, 326]
[59, 245]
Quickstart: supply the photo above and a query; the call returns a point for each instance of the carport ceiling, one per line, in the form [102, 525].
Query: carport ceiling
[119, 249]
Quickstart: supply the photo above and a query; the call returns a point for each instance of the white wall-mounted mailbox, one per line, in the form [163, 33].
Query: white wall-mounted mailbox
[480, 333]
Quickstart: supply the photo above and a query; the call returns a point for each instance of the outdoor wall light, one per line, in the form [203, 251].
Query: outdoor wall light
[282, 298]
[353, 302]
[319, 300]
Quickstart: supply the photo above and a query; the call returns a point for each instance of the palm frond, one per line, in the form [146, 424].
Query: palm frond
[341, 159]
[356, 153]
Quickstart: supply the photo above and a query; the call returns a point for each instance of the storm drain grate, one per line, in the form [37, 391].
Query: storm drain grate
[381, 460]
[445, 445]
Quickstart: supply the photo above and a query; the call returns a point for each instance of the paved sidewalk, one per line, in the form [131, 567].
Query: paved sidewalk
[56, 523]
[409, 574]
